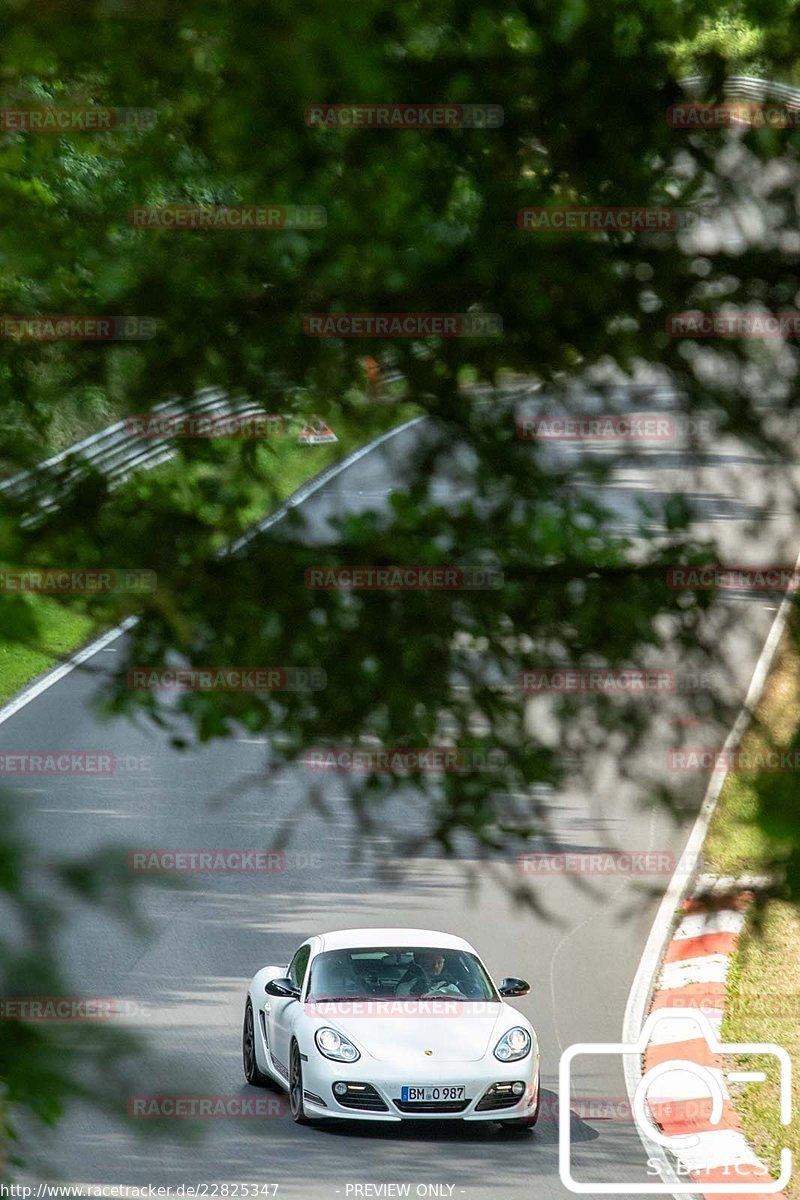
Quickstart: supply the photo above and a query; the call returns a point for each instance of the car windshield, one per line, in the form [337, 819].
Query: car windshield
[386, 972]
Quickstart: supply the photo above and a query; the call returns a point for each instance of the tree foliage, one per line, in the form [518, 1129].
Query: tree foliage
[417, 221]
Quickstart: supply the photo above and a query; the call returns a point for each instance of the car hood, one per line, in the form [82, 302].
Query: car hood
[454, 1035]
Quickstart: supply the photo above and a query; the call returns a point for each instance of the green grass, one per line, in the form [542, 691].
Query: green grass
[763, 989]
[281, 466]
[61, 630]
[763, 1002]
[736, 844]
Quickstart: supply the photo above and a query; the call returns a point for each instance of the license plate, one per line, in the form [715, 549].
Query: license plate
[442, 1092]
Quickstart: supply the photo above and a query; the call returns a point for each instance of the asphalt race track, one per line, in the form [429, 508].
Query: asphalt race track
[206, 939]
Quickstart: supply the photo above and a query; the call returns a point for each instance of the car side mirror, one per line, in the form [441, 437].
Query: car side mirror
[514, 987]
[282, 987]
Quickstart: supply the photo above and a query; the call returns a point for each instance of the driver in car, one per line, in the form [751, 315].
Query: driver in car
[425, 974]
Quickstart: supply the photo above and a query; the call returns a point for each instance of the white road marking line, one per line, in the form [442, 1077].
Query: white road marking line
[34, 690]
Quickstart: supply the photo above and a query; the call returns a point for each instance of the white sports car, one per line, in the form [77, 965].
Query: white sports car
[391, 1024]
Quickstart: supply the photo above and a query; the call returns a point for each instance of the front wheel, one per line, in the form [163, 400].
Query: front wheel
[296, 1086]
[252, 1072]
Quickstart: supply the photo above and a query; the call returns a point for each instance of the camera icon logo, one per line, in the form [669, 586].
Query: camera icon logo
[688, 1079]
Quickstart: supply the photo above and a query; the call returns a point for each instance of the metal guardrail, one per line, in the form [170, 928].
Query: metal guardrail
[116, 453]
[745, 87]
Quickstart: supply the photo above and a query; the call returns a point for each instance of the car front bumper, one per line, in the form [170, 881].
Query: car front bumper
[320, 1074]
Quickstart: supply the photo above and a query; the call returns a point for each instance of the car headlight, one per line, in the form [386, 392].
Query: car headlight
[513, 1045]
[335, 1045]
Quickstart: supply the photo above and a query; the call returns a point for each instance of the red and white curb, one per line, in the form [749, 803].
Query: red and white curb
[693, 975]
